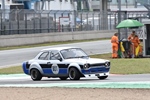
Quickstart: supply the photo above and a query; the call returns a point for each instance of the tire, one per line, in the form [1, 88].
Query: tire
[102, 77]
[74, 74]
[63, 78]
[35, 75]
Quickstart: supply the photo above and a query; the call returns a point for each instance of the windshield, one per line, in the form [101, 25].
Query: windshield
[73, 53]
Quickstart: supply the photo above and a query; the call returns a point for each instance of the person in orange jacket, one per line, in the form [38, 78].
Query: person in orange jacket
[114, 42]
[133, 38]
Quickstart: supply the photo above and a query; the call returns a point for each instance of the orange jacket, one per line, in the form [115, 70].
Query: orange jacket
[134, 39]
[114, 40]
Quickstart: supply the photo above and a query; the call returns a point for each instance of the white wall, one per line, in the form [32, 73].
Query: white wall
[57, 5]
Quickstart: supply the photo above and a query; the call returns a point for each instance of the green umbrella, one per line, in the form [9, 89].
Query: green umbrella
[129, 23]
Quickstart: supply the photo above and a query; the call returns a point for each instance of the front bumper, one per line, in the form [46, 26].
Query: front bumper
[97, 74]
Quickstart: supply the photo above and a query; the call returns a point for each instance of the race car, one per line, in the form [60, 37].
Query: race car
[65, 62]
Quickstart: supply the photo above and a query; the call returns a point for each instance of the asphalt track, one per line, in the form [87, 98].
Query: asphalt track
[17, 56]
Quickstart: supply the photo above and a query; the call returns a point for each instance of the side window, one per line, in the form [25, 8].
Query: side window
[55, 55]
[44, 56]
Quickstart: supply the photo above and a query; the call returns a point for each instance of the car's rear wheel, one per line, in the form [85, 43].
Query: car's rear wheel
[35, 75]
[102, 77]
[74, 74]
[63, 78]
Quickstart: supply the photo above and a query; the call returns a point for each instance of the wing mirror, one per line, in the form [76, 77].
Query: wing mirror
[59, 58]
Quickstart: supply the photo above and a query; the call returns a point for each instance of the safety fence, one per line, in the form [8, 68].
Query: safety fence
[21, 21]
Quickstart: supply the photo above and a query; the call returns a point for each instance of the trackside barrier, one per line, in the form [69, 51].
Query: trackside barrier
[24, 39]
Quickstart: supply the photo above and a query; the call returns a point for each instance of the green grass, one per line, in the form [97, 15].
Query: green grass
[118, 66]
[127, 66]
[130, 66]
[11, 70]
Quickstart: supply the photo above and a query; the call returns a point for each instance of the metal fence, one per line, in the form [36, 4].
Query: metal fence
[17, 21]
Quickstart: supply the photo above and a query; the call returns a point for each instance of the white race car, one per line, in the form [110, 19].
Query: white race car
[64, 62]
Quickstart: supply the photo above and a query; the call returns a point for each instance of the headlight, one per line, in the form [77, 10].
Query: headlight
[107, 64]
[86, 66]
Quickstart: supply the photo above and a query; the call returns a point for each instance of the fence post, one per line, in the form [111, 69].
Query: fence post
[34, 23]
[9, 27]
[48, 22]
[75, 15]
[25, 23]
[55, 26]
[93, 26]
[99, 21]
[40, 23]
[87, 21]
[81, 21]
[18, 20]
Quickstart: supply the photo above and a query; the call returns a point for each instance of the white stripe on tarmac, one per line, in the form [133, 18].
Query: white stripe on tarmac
[14, 76]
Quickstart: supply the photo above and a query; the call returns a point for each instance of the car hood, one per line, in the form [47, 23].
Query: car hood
[86, 60]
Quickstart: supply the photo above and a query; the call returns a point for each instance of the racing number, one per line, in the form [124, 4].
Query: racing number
[55, 69]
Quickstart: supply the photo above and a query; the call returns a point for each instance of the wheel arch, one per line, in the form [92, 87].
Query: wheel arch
[75, 65]
[35, 66]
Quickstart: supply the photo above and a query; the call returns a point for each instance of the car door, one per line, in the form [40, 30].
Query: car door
[58, 68]
[45, 63]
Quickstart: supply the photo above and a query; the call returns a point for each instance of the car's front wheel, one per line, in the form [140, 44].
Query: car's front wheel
[102, 77]
[35, 75]
[74, 74]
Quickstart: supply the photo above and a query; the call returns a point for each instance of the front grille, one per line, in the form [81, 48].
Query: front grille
[99, 69]
[97, 65]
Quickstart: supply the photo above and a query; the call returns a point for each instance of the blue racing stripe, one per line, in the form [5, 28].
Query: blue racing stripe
[49, 71]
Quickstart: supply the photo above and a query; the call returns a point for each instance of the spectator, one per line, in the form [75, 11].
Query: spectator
[133, 38]
[114, 42]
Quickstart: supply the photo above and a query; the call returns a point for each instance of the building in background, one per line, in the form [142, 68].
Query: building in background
[125, 4]
[88, 5]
